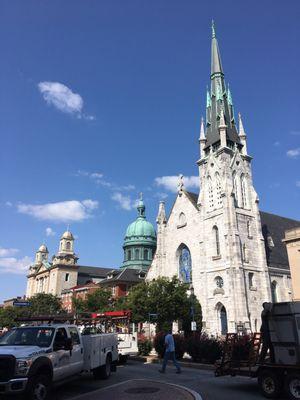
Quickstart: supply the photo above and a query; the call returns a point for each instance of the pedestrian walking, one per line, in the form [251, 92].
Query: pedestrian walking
[169, 353]
[265, 334]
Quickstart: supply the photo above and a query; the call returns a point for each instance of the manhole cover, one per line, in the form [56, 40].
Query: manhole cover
[142, 390]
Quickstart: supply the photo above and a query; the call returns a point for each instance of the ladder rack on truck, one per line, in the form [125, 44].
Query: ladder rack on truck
[284, 373]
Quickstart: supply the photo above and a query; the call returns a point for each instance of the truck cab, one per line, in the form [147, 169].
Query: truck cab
[34, 357]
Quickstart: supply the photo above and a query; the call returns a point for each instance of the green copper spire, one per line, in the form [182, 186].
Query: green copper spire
[141, 207]
[208, 99]
[230, 102]
[219, 100]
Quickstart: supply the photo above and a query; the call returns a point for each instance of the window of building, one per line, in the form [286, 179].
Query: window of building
[185, 265]
[129, 255]
[113, 290]
[251, 279]
[137, 254]
[219, 282]
[274, 292]
[67, 277]
[245, 253]
[235, 189]
[244, 192]
[182, 219]
[217, 240]
[218, 190]
[146, 254]
[249, 229]
[68, 246]
[210, 193]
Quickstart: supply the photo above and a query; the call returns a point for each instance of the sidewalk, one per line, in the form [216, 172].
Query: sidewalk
[184, 362]
[141, 389]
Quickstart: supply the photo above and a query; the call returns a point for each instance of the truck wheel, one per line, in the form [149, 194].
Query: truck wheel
[104, 371]
[38, 388]
[270, 384]
[292, 386]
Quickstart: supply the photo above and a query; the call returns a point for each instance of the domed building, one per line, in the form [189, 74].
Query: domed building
[140, 242]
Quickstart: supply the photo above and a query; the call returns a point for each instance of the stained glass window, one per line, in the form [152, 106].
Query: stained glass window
[185, 265]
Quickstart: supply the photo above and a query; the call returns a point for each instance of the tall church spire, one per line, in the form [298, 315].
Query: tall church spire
[219, 100]
[216, 64]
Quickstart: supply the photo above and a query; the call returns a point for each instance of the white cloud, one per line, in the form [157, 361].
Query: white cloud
[124, 202]
[7, 252]
[276, 144]
[15, 265]
[98, 178]
[50, 232]
[64, 211]
[62, 98]
[171, 182]
[8, 204]
[295, 133]
[161, 195]
[298, 184]
[293, 153]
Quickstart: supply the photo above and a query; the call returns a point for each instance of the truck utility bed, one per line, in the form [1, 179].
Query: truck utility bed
[95, 349]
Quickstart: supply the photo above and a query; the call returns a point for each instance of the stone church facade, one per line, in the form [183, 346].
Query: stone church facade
[217, 240]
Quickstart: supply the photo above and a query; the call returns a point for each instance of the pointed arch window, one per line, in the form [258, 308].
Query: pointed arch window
[217, 240]
[210, 193]
[235, 189]
[218, 190]
[244, 192]
[185, 264]
[274, 292]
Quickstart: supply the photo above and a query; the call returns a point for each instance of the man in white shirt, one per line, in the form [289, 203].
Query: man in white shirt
[169, 353]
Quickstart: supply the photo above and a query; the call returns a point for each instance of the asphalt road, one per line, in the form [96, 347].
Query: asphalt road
[203, 382]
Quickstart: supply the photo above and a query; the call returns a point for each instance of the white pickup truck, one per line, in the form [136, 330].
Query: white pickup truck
[34, 357]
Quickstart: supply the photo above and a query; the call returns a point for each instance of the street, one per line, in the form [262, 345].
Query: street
[203, 382]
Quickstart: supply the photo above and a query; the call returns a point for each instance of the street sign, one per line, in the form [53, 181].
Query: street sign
[21, 303]
[193, 326]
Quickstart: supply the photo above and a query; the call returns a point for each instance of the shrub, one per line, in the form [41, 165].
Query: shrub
[159, 344]
[242, 348]
[203, 348]
[144, 345]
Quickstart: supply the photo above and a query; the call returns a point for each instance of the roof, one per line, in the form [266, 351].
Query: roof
[83, 286]
[100, 272]
[273, 229]
[129, 275]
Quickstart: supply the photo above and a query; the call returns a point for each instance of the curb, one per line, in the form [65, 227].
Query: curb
[186, 364]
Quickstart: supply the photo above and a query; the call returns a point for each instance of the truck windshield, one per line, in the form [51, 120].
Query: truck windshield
[33, 336]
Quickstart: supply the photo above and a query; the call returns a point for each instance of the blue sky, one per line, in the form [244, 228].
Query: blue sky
[99, 98]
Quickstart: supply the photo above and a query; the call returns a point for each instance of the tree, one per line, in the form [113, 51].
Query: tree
[98, 301]
[167, 298]
[79, 305]
[44, 304]
[8, 316]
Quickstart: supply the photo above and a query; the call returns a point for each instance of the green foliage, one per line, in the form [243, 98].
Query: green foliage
[79, 305]
[119, 304]
[203, 348]
[144, 345]
[168, 299]
[98, 301]
[44, 304]
[8, 316]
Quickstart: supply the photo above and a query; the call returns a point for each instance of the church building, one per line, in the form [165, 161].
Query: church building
[63, 272]
[218, 241]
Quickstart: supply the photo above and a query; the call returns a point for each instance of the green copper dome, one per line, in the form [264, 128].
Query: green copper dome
[139, 242]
